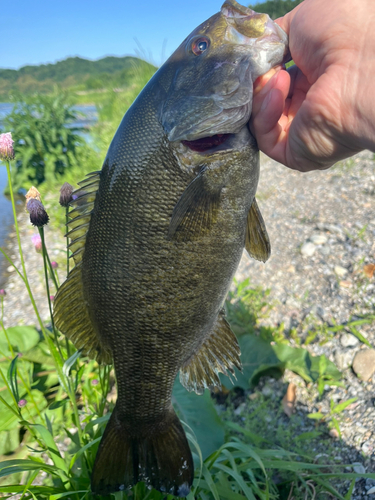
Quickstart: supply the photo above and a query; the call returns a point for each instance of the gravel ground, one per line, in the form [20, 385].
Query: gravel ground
[322, 231]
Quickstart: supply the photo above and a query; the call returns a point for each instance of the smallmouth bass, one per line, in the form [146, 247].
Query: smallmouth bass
[157, 236]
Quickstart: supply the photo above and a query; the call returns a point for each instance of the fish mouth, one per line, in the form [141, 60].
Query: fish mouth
[206, 143]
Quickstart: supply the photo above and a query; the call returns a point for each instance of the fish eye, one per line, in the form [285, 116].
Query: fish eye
[200, 45]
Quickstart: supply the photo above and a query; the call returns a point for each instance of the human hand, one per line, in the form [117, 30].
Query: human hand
[322, 109]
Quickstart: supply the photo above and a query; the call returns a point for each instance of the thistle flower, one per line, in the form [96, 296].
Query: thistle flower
[33, 193]
[37, 242]
[2, 293]
[54, 264]
[66, 194]
[6, 147]
[38, 214]
[22, 403]
[51, 298]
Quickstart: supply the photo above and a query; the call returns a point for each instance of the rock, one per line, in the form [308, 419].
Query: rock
[358, 468]
[319, 239]
[348, 340]
[325, 250]
[10, 269]
[308, 249]
[364, 363]
[344, 359]
[334, 433]
[340, 271]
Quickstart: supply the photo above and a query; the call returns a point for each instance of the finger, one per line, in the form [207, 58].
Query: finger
[280, 80]
[285, 21]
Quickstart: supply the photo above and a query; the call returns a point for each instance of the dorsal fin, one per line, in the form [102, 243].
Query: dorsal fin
[80, 214]
[72, 318]
[71, 313]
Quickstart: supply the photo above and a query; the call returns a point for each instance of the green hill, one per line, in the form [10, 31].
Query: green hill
[74, 73]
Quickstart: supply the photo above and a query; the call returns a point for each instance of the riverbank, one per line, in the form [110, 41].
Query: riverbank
[322, 231]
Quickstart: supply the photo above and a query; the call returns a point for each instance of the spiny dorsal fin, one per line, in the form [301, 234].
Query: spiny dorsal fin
[70, 310]
[72, 318]
[80, 214]
[194, 213]
[257, 242]
[219, 353]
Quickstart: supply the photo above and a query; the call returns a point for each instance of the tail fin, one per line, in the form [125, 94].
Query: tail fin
[160, 457]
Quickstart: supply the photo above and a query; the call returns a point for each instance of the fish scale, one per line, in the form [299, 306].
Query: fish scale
[169, 215]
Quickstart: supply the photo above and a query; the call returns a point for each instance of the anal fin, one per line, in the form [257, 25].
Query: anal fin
[219, 353]
[257, 242]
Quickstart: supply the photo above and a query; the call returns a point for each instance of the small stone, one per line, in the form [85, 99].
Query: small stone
[345, 283]
[367, 447]
[319, 239]
[371, 491]
[308, 249]
[325, 249]
[267, 391]
[340, 271]
[364, 363]
[334, 433]
[10, 269]
[348, 340]
[344, 359]
[358, 468]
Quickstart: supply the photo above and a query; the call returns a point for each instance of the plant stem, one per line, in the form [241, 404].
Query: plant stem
[67, 240]
[3, 327]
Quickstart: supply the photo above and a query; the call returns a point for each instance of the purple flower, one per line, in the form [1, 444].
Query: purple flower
[2, 293]
[94, 382]
[54, 265]
[6, 147]
[51, 298]
[22, 403]
[66, 194]
[37, 242]
[38, 214]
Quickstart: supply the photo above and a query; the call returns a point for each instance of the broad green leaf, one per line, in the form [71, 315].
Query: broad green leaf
[200, 414]
[258, 358]
[22, 338]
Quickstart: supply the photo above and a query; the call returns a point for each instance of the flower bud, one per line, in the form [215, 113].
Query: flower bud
[22, 403]
[51, 298]
[6, 147]
[95, 382]
[33, 193]
[37, 242]
[54, 264]
[2, 292]
[66, 194]
[38, 214]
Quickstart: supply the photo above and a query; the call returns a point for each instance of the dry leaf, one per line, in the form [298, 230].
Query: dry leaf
[289, 399]
[369, 270]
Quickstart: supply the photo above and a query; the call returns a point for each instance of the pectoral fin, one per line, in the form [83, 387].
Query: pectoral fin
[195, 212]
[257, 242]
[219, 353]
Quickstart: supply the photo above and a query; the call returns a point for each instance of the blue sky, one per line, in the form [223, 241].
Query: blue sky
[41, 31]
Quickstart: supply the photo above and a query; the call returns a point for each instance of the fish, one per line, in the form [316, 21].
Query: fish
[156, 236]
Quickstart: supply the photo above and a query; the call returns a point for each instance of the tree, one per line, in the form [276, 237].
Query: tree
[276, 8]
[46, 143]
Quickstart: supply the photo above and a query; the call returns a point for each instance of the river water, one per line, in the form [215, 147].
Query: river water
[87, 117]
